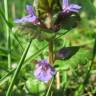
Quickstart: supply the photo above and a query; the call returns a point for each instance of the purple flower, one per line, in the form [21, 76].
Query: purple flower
[31, 17]
[44, 71]
[66, 7]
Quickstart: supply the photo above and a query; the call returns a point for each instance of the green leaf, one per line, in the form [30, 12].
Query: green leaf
[66, 52]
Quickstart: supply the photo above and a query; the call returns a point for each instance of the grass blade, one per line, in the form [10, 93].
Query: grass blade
[18, 69]
[8, 34]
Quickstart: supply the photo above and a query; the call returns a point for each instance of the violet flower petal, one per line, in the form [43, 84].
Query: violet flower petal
[31, 17]
[30, 10]
[42, 75]
[65, 4]
[44, 71]
[26, 19]
[74, 7]
[43, 62]
[66, 7]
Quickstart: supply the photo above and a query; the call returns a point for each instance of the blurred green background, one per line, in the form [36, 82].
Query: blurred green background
[72, 71]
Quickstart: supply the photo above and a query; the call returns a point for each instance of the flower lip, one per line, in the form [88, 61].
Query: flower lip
[30, 10]
[67, 7]
[26, 19]
[31, 17]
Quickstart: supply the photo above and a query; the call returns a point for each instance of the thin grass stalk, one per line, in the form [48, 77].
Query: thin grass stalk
[13, 10]
[49, 88]
[82, 86]
[58, 80]
[18, 69]
[8, 34]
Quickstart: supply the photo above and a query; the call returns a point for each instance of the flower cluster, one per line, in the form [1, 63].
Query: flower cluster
[35, 20]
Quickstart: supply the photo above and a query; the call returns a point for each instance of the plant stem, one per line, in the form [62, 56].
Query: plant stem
[8, 34]
[51, 61]
[18, 69]
[51, 52]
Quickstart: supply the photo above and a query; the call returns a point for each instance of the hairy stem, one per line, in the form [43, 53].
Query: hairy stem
[51, 52]
[51, 61]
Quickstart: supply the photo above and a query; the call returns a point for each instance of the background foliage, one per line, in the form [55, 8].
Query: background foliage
[72, 71]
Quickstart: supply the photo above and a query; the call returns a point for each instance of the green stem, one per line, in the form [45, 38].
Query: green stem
[50, 46]
[51, 52]
[51, 61]
[8, 34]
[18, 69]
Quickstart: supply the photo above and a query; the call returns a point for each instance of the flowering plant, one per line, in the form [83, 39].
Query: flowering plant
[46, 26]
